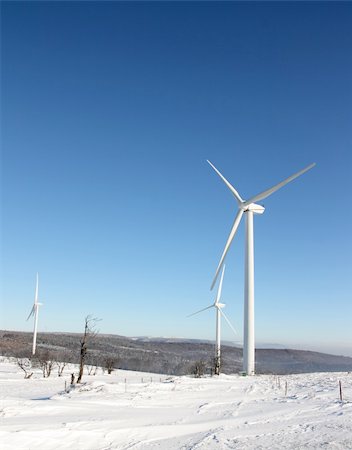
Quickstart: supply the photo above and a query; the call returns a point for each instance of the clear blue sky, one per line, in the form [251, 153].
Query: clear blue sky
[109, 112]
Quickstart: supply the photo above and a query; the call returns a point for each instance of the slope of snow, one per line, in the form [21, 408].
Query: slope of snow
[173, 413]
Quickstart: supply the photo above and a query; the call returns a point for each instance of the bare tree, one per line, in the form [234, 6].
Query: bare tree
[91, 363]
[46, 362]
[90, 333]
[198, 368]
[61, 361]
[109, 364]
[91, 369]
[60, 367]
[26, 365]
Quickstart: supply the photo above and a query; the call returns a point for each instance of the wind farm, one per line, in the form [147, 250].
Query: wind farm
[120, 327]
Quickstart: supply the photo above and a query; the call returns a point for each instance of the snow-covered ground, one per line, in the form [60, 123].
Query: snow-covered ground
[169, 413]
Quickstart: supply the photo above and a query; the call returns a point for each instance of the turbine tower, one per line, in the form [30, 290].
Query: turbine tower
[249, 208]
[218, 306]
[35, 311]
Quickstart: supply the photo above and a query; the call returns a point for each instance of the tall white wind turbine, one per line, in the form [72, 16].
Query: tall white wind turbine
[219, 312]
[34, 312]
[249, 207]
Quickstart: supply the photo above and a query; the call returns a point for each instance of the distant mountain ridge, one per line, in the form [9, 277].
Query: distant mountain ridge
[208, 341]
[169, 355]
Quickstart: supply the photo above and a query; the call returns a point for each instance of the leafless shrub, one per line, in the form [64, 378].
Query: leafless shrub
[62, 359]
[46, 362]
[109, 364]
[198, 368]
[91, 369]
[91, 364]
[60, 367]
[26, 365]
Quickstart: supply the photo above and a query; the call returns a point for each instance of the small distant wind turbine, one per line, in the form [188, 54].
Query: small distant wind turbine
[249, 207]
[218, 306]
[34, 312]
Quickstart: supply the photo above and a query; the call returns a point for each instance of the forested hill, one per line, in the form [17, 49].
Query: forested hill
[167, 356]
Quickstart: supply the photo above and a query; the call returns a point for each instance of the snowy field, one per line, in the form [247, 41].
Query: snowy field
[169, 413]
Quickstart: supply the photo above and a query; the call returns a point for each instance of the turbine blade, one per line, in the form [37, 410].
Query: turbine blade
[229, 185]
[273, 189]
[31, 313]
[228, 321]
[197, 312]
[36, 289]
[220, 285]
[228, 243]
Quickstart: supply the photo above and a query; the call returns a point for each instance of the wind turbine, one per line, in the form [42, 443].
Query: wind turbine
[248, 208]
[218, 306]
[34, 312]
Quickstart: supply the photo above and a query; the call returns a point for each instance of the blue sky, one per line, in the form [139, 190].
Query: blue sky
[109, 112]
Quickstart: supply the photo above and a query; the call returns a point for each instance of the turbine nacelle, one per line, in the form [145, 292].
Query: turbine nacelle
[254, 207]
[219, 305]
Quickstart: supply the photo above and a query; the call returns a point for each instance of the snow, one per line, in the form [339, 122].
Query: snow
[174, 413]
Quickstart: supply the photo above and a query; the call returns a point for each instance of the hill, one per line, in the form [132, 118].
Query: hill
[168, 356]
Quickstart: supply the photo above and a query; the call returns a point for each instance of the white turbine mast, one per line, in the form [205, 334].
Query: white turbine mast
[248, 207]
[34, 312]
[219, 312]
